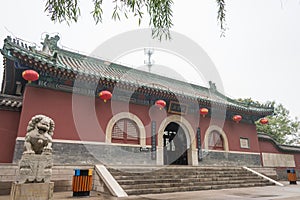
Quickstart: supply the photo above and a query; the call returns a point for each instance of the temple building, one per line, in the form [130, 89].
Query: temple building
[112, 114]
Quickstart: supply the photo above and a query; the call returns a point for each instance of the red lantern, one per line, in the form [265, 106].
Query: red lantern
[263, 120]
[237, 118]
[160, 103]
[105, 95]
[30, 75]
[203, 111]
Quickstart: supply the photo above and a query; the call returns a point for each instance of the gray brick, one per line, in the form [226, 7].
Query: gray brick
[74, 154]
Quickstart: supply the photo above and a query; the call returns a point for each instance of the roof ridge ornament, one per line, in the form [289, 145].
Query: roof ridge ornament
[212, 86]
[50, 44]
[8, 38]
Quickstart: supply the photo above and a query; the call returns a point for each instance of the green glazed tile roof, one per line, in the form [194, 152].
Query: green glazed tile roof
[280, 147]
[58, 59]
[8, 102]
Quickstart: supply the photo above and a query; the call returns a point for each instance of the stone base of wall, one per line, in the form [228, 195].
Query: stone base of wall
[278, 160]
[5, 187]
[215, 158]
[99, 185]
[7, 177]
[92, 153]
[267, 171]
[283, 176]
[88, 153]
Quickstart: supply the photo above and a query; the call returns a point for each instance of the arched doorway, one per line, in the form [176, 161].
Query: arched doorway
[175, 145]
[192, 152]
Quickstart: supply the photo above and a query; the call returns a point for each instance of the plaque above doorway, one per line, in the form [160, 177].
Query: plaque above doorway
[177, 108]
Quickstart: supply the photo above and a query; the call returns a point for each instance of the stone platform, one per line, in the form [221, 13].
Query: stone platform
[35, 168]
[30, 191]
[288, 192]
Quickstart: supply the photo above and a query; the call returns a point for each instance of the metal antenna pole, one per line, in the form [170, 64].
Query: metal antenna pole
[149, 62]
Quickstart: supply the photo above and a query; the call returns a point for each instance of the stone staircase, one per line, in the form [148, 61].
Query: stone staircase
[146, 180]
[267, 171]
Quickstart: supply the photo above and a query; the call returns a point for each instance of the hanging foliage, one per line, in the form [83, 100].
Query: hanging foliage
[159, 11]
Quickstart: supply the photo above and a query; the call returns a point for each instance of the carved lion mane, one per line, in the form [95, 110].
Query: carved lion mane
[38, 139]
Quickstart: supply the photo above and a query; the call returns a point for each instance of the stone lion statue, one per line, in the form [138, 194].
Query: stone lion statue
[38, 139]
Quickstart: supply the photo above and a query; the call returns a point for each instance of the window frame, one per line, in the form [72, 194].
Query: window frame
[219, 144]
[242, 142]
[125, 139]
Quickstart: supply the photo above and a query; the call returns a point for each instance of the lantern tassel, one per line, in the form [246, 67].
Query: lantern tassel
[104, 100]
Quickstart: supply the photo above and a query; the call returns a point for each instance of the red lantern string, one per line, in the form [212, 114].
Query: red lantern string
[237, 118]
[263, 120]
[30, 75]
[203, 111]
[160, 103]
[105, 95]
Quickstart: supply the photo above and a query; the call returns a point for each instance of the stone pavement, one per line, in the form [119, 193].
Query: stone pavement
[288, 192]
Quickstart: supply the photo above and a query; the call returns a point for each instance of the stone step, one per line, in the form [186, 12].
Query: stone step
[267, 171]
[140, 171]
[186, 183]
[182, 174]
[190, 188]
[171, 176]
[199, 172]
[179, 172]
[171, 167]
[179, 179]
[196, 181]
[174, 177]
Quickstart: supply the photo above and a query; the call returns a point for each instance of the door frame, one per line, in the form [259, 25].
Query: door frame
[181, 145]
[192, 152]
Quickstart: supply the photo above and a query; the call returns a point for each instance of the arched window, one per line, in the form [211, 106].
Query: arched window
[215, 141]
[125, 131]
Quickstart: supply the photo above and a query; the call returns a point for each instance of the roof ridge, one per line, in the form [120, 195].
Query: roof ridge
[283, 147]
[11, 96]
[119, 66]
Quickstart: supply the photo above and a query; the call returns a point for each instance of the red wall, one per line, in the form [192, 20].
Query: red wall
[236, 130]
[269, 147]
[58, 106]
[9, 122]
[89, 126]
[297, 160]
[233, 132]
[86, 120]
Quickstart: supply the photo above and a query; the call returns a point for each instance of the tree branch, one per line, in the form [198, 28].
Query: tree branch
[160, 12]
[221, 16]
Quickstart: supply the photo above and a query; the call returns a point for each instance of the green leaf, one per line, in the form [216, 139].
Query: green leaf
[159, 11]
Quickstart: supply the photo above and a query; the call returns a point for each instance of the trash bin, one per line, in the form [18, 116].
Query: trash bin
[292, 176]
[82, 182]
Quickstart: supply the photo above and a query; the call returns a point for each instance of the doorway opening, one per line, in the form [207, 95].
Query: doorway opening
[175, 145]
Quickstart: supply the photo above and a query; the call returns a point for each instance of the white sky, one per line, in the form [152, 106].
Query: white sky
[258, 58]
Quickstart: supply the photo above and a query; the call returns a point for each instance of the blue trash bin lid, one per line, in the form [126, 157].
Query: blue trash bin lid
[77, 172]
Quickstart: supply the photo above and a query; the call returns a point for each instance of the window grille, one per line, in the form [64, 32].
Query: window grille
[125, 131]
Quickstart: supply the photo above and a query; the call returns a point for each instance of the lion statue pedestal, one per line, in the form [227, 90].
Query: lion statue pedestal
[35, 167]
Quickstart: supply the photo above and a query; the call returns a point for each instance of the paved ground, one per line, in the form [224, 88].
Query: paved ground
[288, 192]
